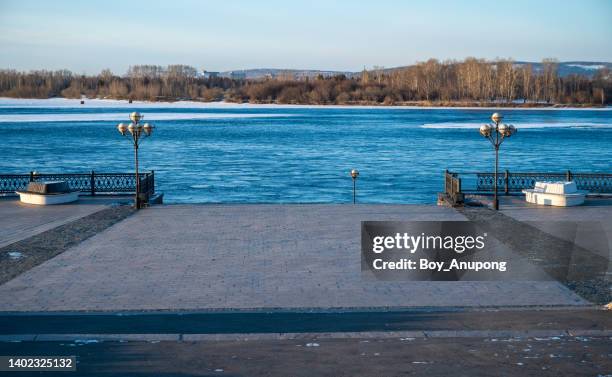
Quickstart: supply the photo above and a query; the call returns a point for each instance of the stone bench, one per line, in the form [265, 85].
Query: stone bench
[47, 193]
[559, 194]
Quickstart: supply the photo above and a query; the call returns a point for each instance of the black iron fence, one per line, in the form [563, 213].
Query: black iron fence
[452, 187]
[513, 182]
[92, 183]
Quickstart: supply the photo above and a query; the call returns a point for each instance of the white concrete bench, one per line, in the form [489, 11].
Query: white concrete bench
[46, 193]
[560, 194]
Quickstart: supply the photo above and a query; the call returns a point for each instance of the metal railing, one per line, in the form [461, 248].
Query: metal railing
[513, 182]
[147, 184]
[92, 183]
[452, 187]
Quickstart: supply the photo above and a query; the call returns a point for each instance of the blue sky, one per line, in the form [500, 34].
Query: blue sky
[87, 36]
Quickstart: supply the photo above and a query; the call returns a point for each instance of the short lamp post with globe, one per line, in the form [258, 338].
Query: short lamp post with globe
[354, 175]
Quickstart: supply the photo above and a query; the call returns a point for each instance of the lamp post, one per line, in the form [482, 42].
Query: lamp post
[135, 131]
[496, 133]
[354, 175]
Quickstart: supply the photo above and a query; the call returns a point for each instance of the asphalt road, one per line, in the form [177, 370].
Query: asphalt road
[255, 343]
[550, 356]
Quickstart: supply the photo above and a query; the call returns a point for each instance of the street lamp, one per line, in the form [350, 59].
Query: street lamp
[135, 131]
[354, 175]
[496, 133]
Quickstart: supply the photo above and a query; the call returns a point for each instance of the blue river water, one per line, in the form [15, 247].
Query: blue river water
[276, 154]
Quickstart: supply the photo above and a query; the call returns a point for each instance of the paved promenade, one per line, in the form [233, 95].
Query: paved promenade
[191, 257]
[19, 220]
[595, 218]
[588, 226]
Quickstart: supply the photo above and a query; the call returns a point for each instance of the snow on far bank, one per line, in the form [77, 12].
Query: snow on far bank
[111, 103]
[585, 66]
[18, 118]
[519, 126]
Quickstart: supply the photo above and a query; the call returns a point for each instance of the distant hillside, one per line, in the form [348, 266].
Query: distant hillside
[565, 69]
[579, 68]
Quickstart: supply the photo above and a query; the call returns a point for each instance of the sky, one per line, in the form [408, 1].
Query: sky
[88, 36]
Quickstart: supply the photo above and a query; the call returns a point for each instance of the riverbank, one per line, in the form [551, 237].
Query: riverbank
[109, 102]
[449, 105]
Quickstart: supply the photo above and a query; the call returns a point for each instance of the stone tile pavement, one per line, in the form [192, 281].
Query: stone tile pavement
[19, 220]
[588, 225]
[190, 257]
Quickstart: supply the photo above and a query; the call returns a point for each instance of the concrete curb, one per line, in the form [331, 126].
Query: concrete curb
[401, 335]
[310, 309]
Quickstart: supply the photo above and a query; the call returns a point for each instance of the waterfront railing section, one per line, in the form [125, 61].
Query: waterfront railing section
[92, 183]
[457, 184]
[452, 187]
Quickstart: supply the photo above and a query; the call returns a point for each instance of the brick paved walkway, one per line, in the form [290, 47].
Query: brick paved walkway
[248, 256]
[19, 221]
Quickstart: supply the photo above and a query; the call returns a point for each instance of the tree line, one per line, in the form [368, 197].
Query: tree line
[471, 81]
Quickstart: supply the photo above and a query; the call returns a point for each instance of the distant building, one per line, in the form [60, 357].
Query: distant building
[209, 74]
[235, 75]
